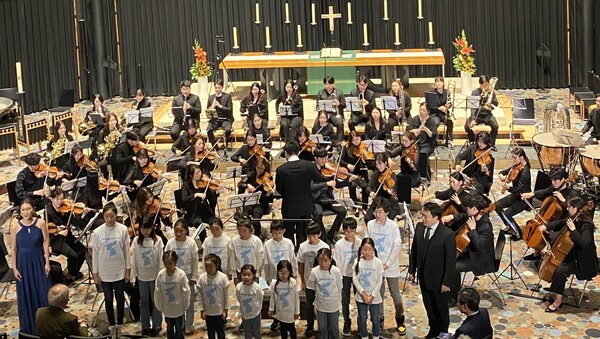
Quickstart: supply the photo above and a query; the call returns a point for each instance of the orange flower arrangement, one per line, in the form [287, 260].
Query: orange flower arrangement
[463, 61]
[200, 68]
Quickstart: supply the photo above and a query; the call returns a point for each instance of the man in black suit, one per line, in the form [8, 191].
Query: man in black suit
[123, 157]
[185, 106]
[29, 186]
[366, 103]
[477, 324]
[432, 257]
[293, 181]
[222, 104]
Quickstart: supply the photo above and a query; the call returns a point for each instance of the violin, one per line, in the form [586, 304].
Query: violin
[89, 165]
[462, 238]
[213, 184]
[54, 229]
[308, 146]
[69, 205]
[153, 208]
[151, 169]
[44, 170]
[483, 157]
[329, 171]
[210, 155]
[362, 152]
[151, 153]
[387, 182]
[257, 150]
[410, 154]
[266, 181]
[512, 175]
[112, 185]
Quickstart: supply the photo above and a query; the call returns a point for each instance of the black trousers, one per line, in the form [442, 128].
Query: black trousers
[256, 212]
[356, 119]
[115, 289]
[296, 230]
[340, 215]
[215, 124]
[487, 119]
[436, 306]
[289, 126]
[511, 206]
[74, 251]
[561, 275]
[449, 126]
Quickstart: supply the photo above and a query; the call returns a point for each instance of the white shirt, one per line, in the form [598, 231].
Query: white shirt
[247, 252]
[146, 259]
[187, 253]
[111, 256]
[368, 279]
[214, 293]
[285, 300]
[345, 254]
[387, 242]
[307, 254]
[220, 246]
[328, 288]
[275, 251]
[432, 230]
[172, 293]
[250, 299]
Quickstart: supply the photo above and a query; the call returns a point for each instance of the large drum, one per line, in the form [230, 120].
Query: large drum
[551, 152]
[589, 158]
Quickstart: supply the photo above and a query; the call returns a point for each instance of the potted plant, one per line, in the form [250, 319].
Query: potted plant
[464, 61]
[201, 69]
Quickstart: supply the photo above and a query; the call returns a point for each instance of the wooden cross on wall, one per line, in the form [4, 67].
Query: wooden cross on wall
[331, 17]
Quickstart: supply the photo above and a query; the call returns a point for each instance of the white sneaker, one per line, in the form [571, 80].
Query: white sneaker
[189, 329]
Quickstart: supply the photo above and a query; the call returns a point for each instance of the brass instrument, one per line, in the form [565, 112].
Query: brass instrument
[58, 148]
[361, 98]
[450, 99]
[555, 117]
[333, 97]
[110, 142]
[123, 119]
[255, 102]
[489, 93]
[85, 126]
[400, 114]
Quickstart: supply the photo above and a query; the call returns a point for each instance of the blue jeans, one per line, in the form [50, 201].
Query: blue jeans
[189, 313]
[329, 326]
[147, 301]
[362, 319]
[174, 327]
[252, 327]
[347, 284]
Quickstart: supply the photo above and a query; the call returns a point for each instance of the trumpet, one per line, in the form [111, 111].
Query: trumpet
[361, 98]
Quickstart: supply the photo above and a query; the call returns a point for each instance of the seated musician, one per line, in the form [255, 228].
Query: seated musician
[259, 180]
[94, 132]
[454, 213]
[255, 98]
[247, 154]
[91, 196]
[307, 146]
[324, 128]
[366, 102]
[558, 189]
[440, 108]
[62, 240]
[336, 96]
[479, 254]
[477, 323]
[190, 105]
[144, 126]
[111, 126]
[289, 124]
[77, 164]
[144, 204]
[200, 200]
[376, 128]
[582, 259]
[141, 174]
[356, 163]
[593, 124]
[404, 104]
[56, 145]
[261, 130]
[187, 139]
[323, 195]
[200, 156]
[483, 115]
[222, 104]
[123, 157]
[110, 136]
[425, 129]
[28, 185]
[409, 162]
[382, 183]
[512, 204]
[482, 169]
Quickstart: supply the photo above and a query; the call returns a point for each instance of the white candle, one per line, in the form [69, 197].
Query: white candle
[235, 38]
[385, 10]
[268, 34]
[430, 32]
[420, 13]
[257, 14]
[365, 35]
[313, 14]
[349, 13]
[397, 33]
[299, 36]
[19, 78]
[287, 13]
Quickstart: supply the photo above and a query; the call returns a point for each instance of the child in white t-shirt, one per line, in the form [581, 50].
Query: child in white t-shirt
[284, 305]
[250, 296]
[326, 281]
[213, 290]
[367, 279]
[219, 244]
[172, 294]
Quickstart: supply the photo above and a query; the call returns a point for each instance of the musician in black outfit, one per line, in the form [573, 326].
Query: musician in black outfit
[243, 156]
[512, 204]
[200, 201]
[455, 195]
[593, 123]
[93, 133]
[60, 133]
[377, 187]
[376, 128]
[291, 97]
[482, 174]
[123, 157]
[582, 260]
[222, 104]
[186, 140]
[329, 92]
[366, 102]
[404, 104]
[409, 167]
[425, 129]
[29, 186]
[303, 139]
[260, 128]
[483, 115]
[266, 197]
[324, 128]
[144, 126]
[477, 324]
[136, 177]
[255, 98]
[71, 168]
[440, 108]
[356, 166]
[191, 107]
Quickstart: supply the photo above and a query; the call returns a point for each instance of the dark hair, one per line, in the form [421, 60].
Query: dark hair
[426, 106]
[250, 133]
[144, 193]
[219, 82]
[32, 159]
[132, 135]
[185, 83]
[182, 223]
[302, 130]
[245, 222]
[323, 113]
[349, 224]
[439, 78]
[142, 153]
[326, 252]
[281, 265]
[170, 255]
[328, 79]
[289, 81]
[485, 137]
[410, 135]
[76, 148]
[483, 79]
[365, 241]
[248, 267]
[189, 171]
[382, 157]
[382, 203]
[29, 201]
[147, 222]
[381, 121]
[140, 92]
[254, 84]
[99, 97]
[57, 127]
[579, 202]
[216, 221]
[457, 175]
[470, 297]
[520, 152]
[558, 173]
[320, 152]
[215, 259]
[475, 199]
[276, 225]
[56, 192]
[109, 207]
[291, 147]
[191, 123]
[313, 228]
[434, 209]
[363, 78]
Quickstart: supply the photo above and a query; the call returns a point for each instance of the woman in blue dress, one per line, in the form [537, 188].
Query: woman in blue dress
[31, 264]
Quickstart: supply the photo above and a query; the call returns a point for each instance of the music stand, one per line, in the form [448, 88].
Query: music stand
[396, 135]
[199, 230]
[87, 227]
[352, 104]
[233, 172]
[347, 203]
[320, 139]
[211, 114]
[285, 111]
[325, 105]
[70, 185]
[472, 101]
[375, 146]
[511, 264]
[157, 187]
[408, 223]
[132, 117]
[241, 200]
[69, 146]
[97, 119]
[389, 103]
[177, 112]
[146, 114]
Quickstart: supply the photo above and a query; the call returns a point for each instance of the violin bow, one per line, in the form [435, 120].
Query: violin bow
[475, 160]
[160, 199]
[210, 150]
[385, 176]
[259, 146]
[73, 207]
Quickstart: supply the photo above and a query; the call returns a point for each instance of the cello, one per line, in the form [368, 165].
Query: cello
[462, 235]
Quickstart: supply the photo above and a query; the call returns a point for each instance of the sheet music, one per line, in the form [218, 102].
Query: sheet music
[132, 117]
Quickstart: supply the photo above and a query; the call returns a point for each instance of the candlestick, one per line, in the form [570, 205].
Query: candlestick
[235, 38]
[287, 13]
[257, 14]
[349, 13]
[313, 14]
[365, 35]
[430, 32]
[299, 36]
[385, 10]
[268, 37]
[397, 33]
[420, 12]
[19, 78]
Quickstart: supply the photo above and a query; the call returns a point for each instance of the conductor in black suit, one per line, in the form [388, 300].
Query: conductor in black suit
[191, 107]
[477, 324]
[293, 181]
[432, 257]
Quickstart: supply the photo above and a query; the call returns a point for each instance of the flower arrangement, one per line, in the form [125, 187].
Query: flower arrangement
[463, 61]
[200, 68]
